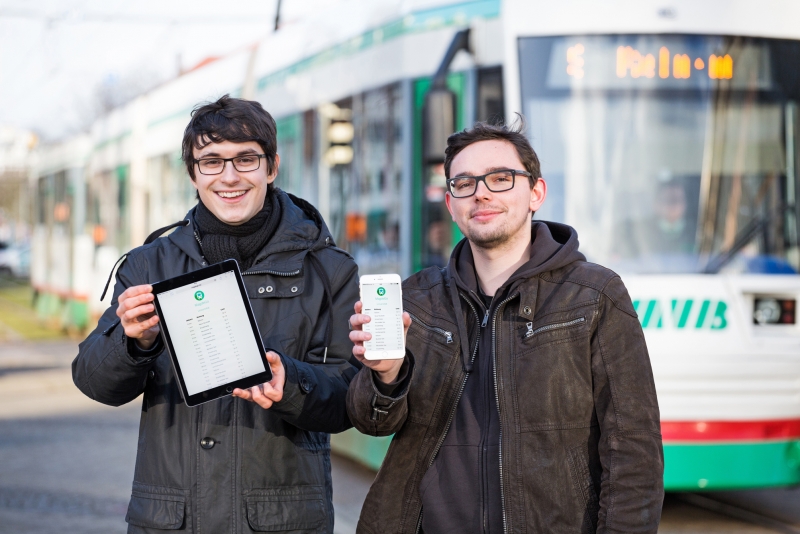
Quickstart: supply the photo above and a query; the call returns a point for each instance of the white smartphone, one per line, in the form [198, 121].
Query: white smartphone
[382, 300]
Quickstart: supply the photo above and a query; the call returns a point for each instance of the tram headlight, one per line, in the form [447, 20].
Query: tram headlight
[774, 311]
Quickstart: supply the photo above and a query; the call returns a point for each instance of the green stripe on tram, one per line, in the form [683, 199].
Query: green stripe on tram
[731, 465]
[687, 467]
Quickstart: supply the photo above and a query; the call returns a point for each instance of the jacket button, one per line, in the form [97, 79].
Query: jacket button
[526, 310]
[260, 289]
[327, 240]
[151, 375]
[304, 385]
[269, 289]
[294, 289]
[207, 443]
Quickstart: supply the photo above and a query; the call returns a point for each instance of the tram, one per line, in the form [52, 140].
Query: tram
[668, 137]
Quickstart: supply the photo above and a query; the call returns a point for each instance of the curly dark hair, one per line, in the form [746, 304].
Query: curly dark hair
[230, 119]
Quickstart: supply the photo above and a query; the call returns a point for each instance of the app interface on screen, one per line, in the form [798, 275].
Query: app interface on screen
[211, 333]
[382, 302]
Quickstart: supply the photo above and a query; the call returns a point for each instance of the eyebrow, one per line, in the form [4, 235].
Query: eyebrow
[489, 170]
[212, 154]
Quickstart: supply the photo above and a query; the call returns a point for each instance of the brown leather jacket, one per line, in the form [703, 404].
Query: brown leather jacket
[580, 433]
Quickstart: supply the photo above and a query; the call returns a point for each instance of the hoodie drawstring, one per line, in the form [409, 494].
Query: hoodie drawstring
[326, 285]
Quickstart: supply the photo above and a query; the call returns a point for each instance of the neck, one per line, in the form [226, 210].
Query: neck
[495, 265]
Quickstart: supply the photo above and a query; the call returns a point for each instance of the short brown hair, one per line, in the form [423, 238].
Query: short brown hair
[483, 131]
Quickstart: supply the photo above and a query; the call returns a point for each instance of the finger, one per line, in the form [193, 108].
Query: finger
[358, 306]
[259, 397]
[135, 291]
[243, 394]
[359, 319]
[359, 336]
[406, 319]
[137, 330]
[138, 315]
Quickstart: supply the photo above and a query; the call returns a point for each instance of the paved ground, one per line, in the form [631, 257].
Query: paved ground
[66, 463]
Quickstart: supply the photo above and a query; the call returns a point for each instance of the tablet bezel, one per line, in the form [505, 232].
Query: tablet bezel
[190, 278]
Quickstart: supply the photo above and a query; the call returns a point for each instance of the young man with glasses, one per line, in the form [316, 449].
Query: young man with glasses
[232, 465]
[526, 401]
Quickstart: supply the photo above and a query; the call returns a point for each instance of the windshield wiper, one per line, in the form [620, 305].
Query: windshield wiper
[744, 236]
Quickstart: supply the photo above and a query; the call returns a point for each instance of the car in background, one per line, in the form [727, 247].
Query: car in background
[15, 260]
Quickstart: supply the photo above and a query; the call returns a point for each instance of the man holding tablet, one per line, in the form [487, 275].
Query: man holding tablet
[530, 404]
[225, 464]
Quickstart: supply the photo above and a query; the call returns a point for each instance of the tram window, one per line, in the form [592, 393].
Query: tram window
[491, 107]
[364, 208]
[666, 173]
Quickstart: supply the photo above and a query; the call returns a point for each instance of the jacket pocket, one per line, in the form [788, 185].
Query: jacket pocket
[584, 487]
[291, 508]
[156, 507]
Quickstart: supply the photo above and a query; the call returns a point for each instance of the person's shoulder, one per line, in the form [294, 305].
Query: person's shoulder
[582, 273]
[425, 280]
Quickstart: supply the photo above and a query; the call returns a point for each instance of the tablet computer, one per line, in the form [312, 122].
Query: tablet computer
[210, 332]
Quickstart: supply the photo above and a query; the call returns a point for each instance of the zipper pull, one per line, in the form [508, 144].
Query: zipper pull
[449, 336]
[485, 319]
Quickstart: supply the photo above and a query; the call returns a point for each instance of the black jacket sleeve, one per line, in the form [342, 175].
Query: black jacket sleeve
[104, 370]
[632, 486]
[316, 384]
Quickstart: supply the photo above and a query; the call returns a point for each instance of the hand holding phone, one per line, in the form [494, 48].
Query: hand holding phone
[382, 301]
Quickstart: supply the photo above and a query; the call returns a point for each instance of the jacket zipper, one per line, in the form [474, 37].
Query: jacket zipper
[548, 327]
[455, 405]
[497, 397]
[448, 335]
[274, 273]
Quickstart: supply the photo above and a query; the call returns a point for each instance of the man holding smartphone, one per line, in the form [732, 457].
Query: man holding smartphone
[230, 465]
[526, 401]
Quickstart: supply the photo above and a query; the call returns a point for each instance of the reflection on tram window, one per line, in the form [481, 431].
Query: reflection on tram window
[364, 211]
[665, 174]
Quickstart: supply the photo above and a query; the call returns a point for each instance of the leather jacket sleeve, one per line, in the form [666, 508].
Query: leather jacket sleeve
[632, 488]
[104, 370]
[371, 411]
[316, 385]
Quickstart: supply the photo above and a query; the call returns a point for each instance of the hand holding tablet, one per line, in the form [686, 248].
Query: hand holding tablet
[211, 334]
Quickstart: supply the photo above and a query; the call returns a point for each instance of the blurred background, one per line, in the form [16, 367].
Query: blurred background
[668, 136]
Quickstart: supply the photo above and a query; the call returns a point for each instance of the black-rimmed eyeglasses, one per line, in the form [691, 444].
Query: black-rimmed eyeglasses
[210, 166]
[495, 181]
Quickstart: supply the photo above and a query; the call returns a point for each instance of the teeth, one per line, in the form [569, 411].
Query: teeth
[230, 194]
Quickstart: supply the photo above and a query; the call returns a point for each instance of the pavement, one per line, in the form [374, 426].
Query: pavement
[66, 462]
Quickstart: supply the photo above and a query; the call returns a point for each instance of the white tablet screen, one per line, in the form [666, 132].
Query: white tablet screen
[211, 333]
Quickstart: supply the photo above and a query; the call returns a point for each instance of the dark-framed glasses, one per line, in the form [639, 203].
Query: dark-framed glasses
[246, 163]
[495, 181]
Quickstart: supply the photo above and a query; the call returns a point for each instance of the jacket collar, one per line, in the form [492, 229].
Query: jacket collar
[300, 230]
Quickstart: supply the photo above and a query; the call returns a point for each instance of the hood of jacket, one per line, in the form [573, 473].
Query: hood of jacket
[553, 245]
[300, 231]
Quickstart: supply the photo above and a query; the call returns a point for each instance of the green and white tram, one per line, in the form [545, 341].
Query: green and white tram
[668, 137]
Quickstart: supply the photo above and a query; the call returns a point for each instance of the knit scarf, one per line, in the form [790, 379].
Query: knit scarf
[221, 241]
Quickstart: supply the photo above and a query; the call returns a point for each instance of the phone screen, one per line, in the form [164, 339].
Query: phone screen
[383, 302]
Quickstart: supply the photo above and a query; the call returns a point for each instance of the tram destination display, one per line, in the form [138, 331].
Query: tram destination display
[608, 62]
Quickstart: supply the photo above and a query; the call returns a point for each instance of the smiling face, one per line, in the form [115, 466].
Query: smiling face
[490, 220]
[234, 197]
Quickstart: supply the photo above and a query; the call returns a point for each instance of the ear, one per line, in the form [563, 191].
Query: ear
[447, 199]
[538, 194]
[271, 177]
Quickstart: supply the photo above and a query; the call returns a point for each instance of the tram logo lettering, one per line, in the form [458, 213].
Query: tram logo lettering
[682, 314]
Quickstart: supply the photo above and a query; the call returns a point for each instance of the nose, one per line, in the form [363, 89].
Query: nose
[481, 191]
[229, 174]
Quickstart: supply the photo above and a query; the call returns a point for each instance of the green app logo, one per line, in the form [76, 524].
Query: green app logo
[381, 291]
[199, 295]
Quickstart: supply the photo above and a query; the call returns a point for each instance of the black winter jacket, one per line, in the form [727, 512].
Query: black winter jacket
[268, 470]
[580, 444]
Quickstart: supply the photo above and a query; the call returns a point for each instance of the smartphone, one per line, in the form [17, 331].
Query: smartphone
[382, 300]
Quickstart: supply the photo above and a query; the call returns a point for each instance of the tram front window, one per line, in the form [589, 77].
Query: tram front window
[669, 153]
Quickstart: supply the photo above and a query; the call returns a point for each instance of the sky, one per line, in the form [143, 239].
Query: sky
[63, 61]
